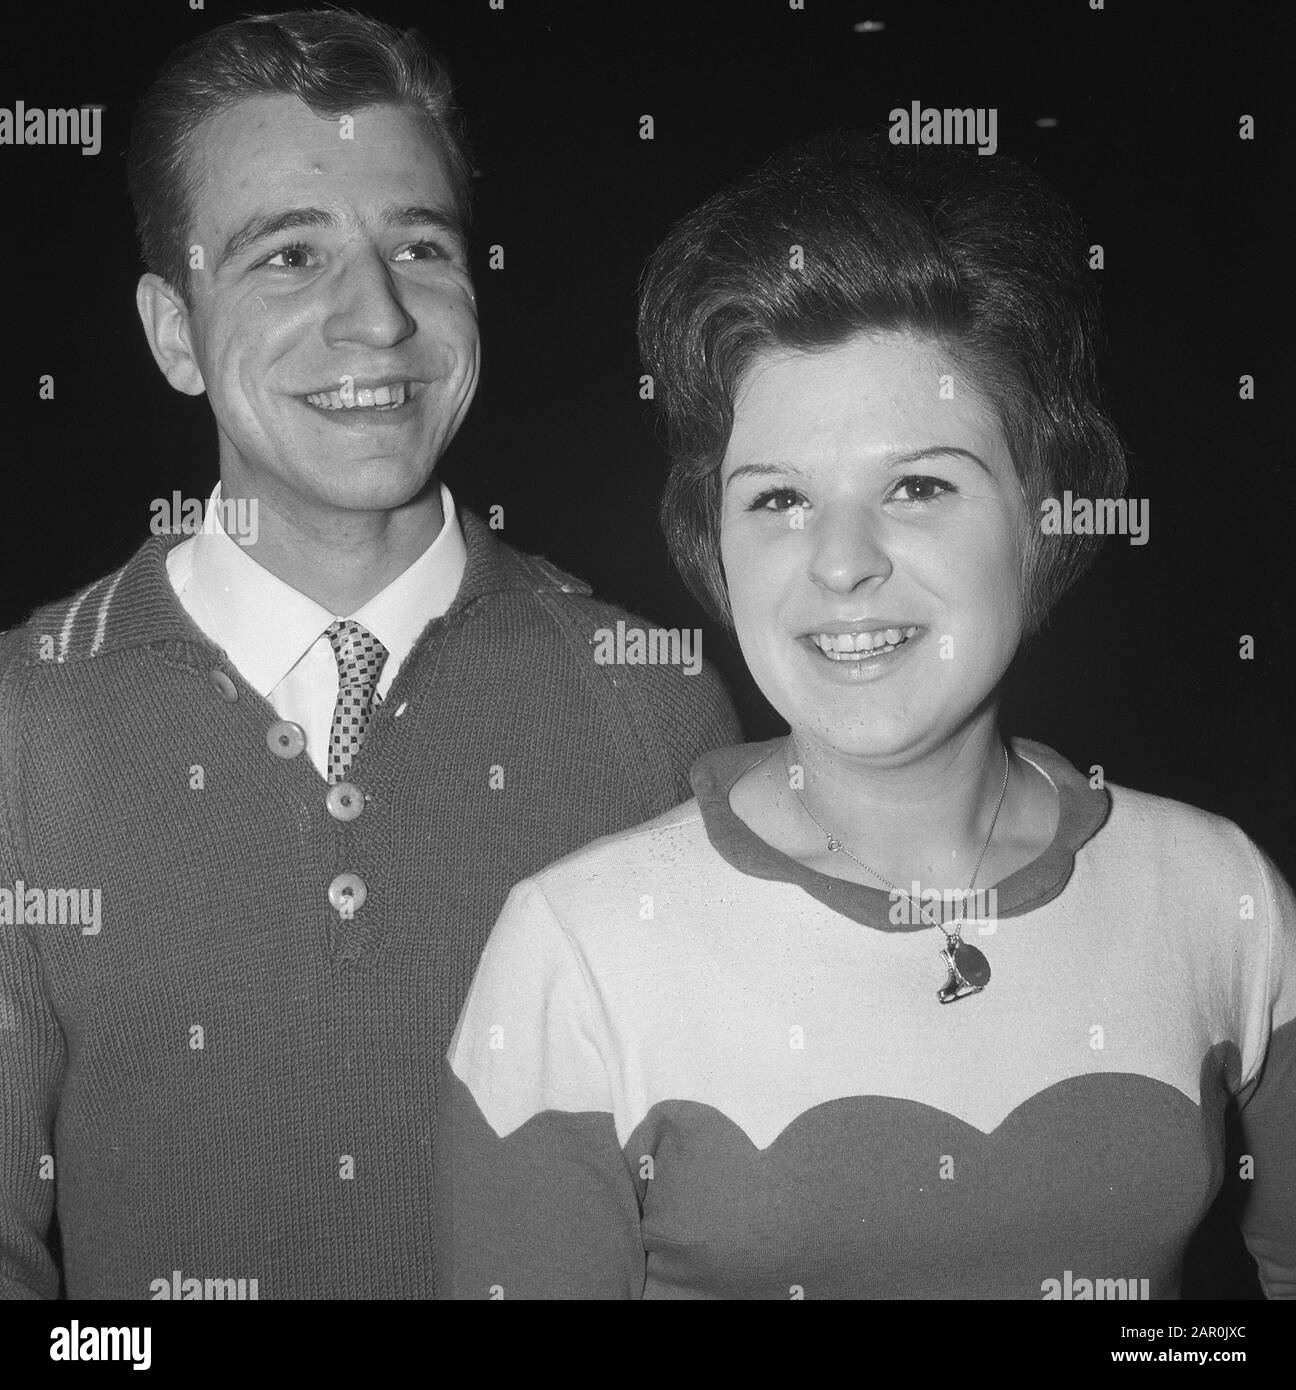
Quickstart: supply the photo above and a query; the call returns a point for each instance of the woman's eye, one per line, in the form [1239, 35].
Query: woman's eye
[777, 499]
[923, 489]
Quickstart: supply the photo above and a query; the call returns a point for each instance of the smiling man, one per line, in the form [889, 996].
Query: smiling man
[302, 773]
[335, 333]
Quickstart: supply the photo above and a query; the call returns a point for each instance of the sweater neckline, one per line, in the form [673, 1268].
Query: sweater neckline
[1082, 810]
[136, 605]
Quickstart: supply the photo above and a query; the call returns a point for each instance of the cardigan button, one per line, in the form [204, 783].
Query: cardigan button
[285, 739]
[347, 893]
[221, 683]
[345, 801]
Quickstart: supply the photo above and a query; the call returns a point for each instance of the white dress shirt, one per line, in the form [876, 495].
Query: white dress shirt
[274, 635]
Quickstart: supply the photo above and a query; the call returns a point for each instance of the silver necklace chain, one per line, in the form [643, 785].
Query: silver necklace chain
[836, 845]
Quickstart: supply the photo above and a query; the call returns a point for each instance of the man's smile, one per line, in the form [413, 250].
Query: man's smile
[389, 401]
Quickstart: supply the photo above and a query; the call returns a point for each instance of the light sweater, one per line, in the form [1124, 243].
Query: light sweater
[690, 1067]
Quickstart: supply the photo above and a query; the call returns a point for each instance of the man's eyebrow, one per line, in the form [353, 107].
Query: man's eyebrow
[262, 226]
[897, 460]
[422, 215]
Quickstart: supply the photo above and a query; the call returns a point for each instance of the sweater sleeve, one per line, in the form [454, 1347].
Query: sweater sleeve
[711, 723]
[1267, 1109]
[534, 1198]
[678, 716]
[32, 1061]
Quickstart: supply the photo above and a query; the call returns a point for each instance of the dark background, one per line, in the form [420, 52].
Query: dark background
[1139, 671]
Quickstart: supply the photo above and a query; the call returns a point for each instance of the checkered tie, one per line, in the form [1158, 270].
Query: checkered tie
[360, 656]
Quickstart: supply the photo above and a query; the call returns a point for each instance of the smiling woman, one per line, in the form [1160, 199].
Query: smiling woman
[709, 1057]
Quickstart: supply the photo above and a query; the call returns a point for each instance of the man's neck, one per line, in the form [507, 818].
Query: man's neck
[341, 559]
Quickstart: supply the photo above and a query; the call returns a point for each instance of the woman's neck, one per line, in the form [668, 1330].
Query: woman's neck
[937, 808]
[926, 818]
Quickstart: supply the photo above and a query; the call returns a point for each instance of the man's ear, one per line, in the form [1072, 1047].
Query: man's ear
[166, 325]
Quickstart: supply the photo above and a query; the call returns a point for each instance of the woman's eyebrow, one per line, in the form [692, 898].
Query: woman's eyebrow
[935, 451]
[893, 460]
[761, 470]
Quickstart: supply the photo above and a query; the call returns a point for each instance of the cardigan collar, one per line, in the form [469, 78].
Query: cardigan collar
[137, 606]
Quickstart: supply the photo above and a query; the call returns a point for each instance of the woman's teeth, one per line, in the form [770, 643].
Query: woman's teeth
[851, 646]
[380, 398]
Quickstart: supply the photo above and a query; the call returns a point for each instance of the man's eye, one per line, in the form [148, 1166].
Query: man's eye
[288, 255]
[923, 489]
[435, 252]
[777, 499]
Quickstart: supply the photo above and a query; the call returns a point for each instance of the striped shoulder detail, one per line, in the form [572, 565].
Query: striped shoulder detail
[72, 628]
[551, 577]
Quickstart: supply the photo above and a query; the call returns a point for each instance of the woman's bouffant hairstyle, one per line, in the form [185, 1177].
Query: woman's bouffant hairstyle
[975, 254]
[338, 62]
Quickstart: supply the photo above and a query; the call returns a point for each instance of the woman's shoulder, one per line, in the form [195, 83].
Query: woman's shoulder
[1141, 821]
[609, 876]
[623, 850]
[668, 860]
[1179, 828]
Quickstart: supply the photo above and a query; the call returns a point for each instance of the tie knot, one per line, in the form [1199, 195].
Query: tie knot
[359, 654]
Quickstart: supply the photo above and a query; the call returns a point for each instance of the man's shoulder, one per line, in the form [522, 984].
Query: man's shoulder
[651, 680]
[620, 643]
[65, 628]
[496, 565]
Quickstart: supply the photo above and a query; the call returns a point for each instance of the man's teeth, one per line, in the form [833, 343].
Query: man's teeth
[845, 646]
[365, 399]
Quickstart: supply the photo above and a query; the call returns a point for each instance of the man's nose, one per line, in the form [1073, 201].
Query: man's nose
[366, 306]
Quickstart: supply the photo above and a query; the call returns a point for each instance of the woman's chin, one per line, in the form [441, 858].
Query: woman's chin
[843, 735]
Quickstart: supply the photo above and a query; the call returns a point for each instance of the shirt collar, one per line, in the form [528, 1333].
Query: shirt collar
[237, 596]
[421, 592]
[137, 605]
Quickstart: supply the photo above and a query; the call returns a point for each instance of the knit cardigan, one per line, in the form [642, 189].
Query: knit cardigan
[223, 1085]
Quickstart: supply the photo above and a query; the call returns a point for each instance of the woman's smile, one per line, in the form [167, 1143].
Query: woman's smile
[860, 655]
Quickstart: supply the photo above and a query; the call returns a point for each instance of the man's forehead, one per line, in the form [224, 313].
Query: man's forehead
[279, 138]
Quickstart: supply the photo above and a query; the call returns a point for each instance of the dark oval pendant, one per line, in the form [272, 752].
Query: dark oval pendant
[972, 965]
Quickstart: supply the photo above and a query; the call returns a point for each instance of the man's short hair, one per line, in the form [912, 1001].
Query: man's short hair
[977, 255]
[337, 62]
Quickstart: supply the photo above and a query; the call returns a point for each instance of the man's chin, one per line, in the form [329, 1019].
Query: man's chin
[365, 485]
